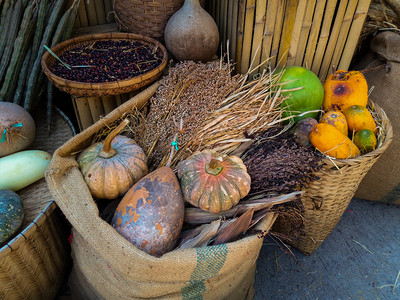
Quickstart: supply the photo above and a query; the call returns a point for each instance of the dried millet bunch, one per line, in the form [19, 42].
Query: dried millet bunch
[189, 92]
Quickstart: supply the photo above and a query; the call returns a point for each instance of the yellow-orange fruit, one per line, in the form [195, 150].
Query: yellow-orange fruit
[358, 118]
[330, 141]
[336, 118]
[345, 89]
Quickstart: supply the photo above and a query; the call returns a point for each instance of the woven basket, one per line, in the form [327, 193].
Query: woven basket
[76, 88]
[326, 199]
[148, 17]
[34, 263]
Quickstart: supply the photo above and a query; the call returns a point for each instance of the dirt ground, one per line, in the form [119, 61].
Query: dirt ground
[360, 259]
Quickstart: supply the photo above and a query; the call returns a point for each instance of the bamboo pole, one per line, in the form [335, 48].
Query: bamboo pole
[277, 33]
[256, 48]
[83, 19]
[297, 26]
[354, 34]
[229, 21]
[324, 35]
[269, 27]
[286, 36]
[247, 35]
[91, 12]
[240, 28]
[234, 27]
[344, 31]
[224, 12]
[305, 30]
[100, 12]
[314, 33]
[212, 9]
[333, 38]
[218, 15]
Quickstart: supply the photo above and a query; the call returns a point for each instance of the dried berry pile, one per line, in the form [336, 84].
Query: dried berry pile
[278, 164]
[108, 61]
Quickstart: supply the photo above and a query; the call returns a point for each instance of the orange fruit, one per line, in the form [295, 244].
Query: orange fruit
[345, 89]
[330, 141]
[337, 119]
[358, 118]
[365, 140]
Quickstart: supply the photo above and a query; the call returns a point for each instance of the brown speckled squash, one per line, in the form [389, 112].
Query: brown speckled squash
[212, 181]
[111, 167]
[151, 213]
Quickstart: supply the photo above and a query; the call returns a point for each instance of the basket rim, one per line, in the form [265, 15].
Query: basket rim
[103, 88]
[385, 144]
[14, 243]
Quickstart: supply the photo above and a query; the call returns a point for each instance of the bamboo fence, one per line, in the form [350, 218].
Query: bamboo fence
[273, 33]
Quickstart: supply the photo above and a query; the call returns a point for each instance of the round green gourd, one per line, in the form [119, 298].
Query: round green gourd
[11, 214]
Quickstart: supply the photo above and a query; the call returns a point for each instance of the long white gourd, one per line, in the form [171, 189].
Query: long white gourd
[22, 168]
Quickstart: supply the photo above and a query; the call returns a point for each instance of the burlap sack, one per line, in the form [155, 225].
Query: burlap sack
[382, 183]
[107, 266]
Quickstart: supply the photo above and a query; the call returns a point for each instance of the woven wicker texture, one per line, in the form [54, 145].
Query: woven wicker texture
[326, 199]
[76, 88]
[145, 17]
[33, 264]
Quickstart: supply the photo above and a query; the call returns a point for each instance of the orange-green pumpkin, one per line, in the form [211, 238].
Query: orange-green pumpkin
[111, 167]
[212, 181]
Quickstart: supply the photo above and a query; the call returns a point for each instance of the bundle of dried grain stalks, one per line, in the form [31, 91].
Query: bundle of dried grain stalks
[219, 111]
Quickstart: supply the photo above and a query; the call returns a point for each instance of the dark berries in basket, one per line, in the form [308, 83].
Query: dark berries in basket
[107, 61]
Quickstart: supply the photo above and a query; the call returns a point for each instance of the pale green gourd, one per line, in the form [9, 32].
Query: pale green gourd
[23, 168]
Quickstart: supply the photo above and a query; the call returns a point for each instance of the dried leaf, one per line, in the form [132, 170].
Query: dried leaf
[233, 231]
[194, 215]
[207, 232]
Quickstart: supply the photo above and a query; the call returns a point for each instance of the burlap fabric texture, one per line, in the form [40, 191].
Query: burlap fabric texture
[107, 266]
[382, 183]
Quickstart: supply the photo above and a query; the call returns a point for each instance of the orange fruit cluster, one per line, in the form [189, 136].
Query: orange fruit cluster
[347, 128]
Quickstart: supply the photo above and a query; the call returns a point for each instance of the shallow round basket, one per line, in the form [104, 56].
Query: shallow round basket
[77, 88]
[326, 199]
[35, 262]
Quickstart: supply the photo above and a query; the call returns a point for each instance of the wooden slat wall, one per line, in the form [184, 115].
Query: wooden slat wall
[314, 34]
